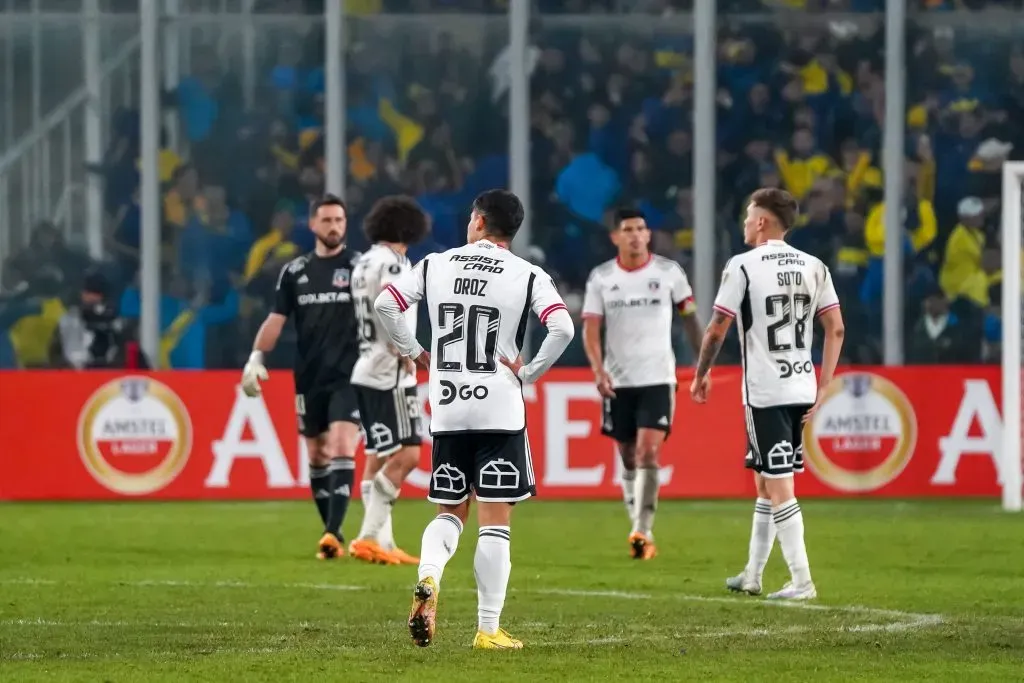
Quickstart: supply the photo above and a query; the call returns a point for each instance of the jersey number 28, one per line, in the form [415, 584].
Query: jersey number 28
[463, 327]
[790, 311]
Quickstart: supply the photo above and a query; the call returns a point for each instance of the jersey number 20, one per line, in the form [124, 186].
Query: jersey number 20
[467, 328]
[790, 311]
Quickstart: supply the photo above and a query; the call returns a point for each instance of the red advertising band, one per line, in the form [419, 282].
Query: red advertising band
[194, 435]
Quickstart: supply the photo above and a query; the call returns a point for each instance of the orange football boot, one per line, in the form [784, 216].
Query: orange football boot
[641, 547]
[368, 550]
[330, 547]
[403, 557]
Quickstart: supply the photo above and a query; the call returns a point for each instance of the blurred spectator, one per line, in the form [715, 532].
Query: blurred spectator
[817, 228]
[215, 243]
[803, 163]
[47, 255]
[28, 318]
[963, 248]
[185, 316]
[268, 255]
[91, 334]
[799, 104]
[939, 336]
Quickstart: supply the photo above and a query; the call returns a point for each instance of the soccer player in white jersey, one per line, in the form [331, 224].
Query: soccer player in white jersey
[772, 291]
[636, 296]
[479, 299]
[385, 383]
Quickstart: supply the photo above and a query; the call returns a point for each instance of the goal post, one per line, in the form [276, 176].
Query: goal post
[1012, 227]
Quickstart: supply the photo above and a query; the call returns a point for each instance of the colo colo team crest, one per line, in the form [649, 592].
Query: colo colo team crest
[134, 435]
[341, 277]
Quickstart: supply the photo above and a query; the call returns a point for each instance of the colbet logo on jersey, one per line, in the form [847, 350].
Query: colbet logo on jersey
[863, 435]
[631, 303]
[134, 435]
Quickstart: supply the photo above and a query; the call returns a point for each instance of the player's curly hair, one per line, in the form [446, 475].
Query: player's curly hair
[397, 219]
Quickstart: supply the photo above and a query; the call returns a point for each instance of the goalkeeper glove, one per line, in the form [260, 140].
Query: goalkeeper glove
[253, 373]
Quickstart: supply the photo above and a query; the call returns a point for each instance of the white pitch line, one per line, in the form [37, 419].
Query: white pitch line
[808, 606]
[902, 620]
[239, 584]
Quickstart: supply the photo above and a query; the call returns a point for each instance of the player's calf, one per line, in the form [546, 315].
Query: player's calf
[373, 544]
[627, 453]
[648, 447]
[789, 527]
[492, 566]
[440, 541]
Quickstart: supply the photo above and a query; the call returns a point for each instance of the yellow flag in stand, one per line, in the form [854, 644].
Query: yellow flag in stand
[407, 132]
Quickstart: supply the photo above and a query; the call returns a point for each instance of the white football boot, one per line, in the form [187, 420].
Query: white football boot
[743, 583]
[793, 592]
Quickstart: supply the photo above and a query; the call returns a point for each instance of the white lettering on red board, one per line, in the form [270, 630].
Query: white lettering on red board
[559, 429]
[558, 432]
[263, 446]
[977, 403]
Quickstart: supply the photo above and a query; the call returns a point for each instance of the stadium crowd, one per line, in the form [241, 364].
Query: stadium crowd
[611, 124]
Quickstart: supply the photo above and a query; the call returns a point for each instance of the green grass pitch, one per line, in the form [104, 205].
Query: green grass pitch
[231, 592]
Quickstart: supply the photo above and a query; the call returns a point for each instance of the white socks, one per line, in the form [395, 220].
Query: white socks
[384, 534]
[492, 566]
[762, 538]
[629, 494]
[440, 540]
[378, 506]
[646, 499]
[789, 525]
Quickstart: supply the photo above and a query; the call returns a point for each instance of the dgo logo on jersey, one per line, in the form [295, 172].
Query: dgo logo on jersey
[863, 435]
[134, 435]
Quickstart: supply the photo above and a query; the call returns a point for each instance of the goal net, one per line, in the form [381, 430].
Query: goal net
[1013, 434]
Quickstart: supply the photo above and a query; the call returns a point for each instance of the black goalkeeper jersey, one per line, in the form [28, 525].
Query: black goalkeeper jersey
[315, 292]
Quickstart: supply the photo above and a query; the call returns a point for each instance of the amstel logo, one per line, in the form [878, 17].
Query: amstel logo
[134, 435]
[863, 435]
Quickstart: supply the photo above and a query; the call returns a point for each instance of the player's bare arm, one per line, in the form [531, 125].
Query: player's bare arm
[714, 338]
[691, 327]
[835, 331]
[592, 347]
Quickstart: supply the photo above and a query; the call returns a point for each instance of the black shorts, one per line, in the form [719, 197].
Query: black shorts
[636, 408]
[390, 417]
[318, 409]
[497, 467]
[775, 440]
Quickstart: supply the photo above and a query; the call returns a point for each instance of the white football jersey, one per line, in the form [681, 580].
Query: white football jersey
[378, 366]
[638, 306]
[772, 292]
[479, 297]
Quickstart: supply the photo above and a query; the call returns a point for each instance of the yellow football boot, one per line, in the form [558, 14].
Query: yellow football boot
[501, 640]
[423, 615]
